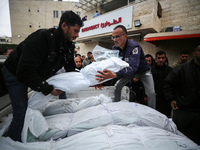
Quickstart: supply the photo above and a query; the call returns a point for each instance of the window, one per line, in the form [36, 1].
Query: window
[55, 14]
[2, 40]
[62, 12]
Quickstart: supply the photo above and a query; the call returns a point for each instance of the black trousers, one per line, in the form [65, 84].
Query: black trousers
[188, 123]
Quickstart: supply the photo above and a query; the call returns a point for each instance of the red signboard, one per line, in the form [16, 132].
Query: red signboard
[102, 25]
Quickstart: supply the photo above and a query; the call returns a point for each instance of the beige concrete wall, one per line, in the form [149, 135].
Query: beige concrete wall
[21, 18]
[185, 13]
[86, 47]
[146, 12]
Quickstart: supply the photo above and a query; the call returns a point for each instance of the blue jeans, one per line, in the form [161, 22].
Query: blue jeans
[19, 98]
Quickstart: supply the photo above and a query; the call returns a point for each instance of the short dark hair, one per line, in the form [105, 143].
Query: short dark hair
[71, 19]
[149, 55]
[122, 27]
[184, 52]
[160, 53]
[77, 55]
[89, 52]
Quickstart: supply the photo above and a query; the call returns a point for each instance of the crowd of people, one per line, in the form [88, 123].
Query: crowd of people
[152, 81]
[177, 88]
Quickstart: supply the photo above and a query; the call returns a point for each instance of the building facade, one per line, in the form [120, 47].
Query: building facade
[168, 25]
[177, 20]
[28, 16]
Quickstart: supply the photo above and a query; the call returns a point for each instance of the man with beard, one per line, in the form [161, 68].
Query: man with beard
[78, 63]
[183, 58]
[182, 90]
[36, 59]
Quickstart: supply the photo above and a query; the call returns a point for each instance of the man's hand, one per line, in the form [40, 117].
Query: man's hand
[56, 92]
[174, 105]
[146, 100]
[106, 74]
[99, 86]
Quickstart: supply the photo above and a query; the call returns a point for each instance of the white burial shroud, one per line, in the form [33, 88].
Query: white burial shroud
[72, 82]
[121, 113]
[112, 137]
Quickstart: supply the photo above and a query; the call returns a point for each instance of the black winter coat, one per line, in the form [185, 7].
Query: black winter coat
[39, 57]
[183, 86]
[159, 74]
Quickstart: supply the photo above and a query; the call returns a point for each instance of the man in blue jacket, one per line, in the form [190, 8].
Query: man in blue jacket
[132, 53]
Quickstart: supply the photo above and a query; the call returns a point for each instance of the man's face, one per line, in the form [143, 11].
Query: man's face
[8, 52]
[196, 54]
[119, 38]
[70, 32]
[83, 57]
[89, 55]
[149, 61]
[184, 58]
[77, 61]
[136, 79]
[160, 59]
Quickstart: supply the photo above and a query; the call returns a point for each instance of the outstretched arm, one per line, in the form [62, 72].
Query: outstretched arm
[105, 74]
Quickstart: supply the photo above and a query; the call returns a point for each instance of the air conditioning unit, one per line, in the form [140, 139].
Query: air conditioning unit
[172, 29]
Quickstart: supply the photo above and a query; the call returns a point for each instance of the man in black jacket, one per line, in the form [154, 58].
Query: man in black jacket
[160, 71]
[182, 90]
[36, 59]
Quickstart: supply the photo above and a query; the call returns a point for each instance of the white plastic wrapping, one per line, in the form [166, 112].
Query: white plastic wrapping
[113, 64]
[121, 113]
[34, 125]
[112, 137]
[72, 82]
[101, 53]
[73, 105]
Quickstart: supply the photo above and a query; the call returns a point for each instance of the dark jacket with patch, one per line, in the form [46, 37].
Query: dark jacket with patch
[134, 55]
[183, 86]
[39, 57]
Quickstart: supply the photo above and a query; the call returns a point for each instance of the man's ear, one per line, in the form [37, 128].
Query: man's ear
[125, 35]
[64, 26]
